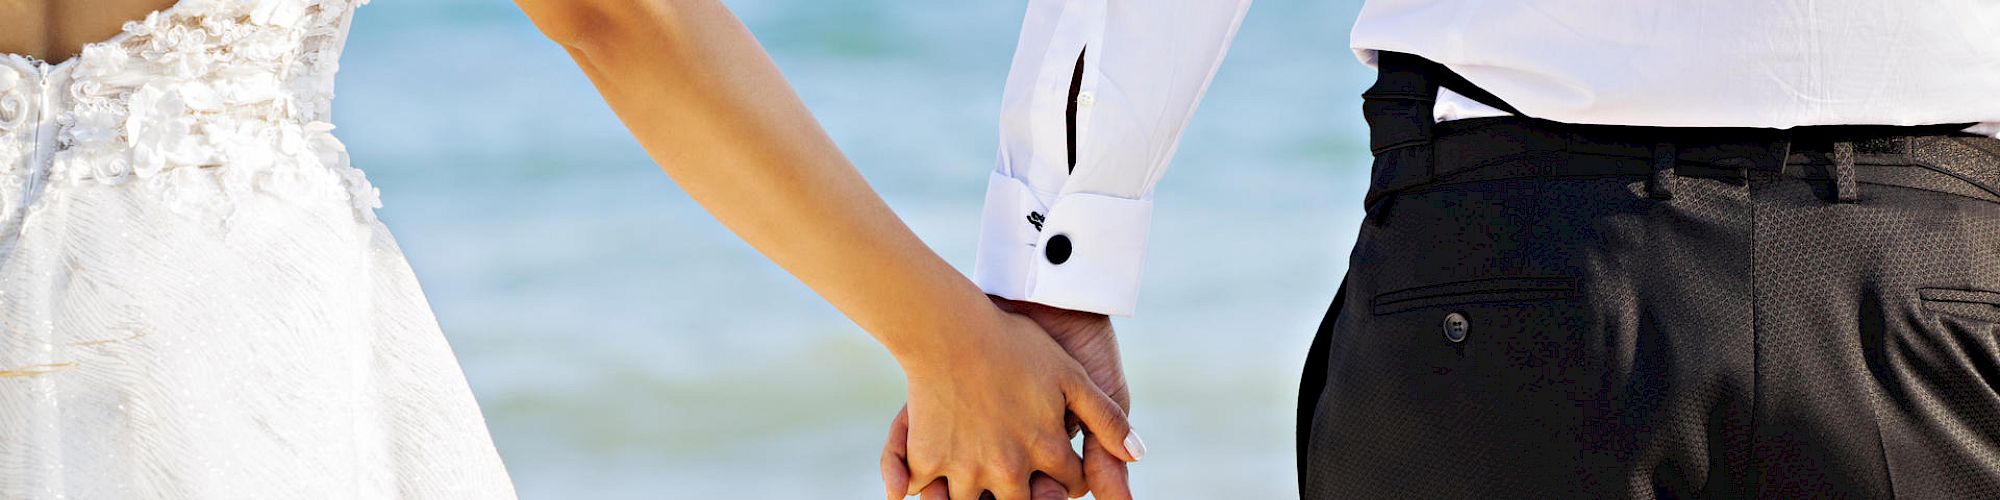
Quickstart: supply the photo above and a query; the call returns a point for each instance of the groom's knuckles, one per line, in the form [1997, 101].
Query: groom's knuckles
[1107, 475]
[895, 476]
[895, 453]
[1046, 488]
[924, 478]
[1071, 478]
[1057, 459]
[899, 428]
[938, 490]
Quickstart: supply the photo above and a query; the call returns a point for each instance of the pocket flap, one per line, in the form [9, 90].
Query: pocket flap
[1978, 304]
[1504, 289]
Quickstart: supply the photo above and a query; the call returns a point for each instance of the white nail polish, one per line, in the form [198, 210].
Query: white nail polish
[1135, 446]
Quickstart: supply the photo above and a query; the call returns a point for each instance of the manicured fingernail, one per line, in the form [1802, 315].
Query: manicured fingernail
[1134, 445]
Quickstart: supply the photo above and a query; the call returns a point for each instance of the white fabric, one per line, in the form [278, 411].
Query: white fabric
[1108, 245]
[195, 298]
[1454, 106]
[1147, 65]
[1710, 63]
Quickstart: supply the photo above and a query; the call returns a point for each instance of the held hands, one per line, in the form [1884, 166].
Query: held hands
[981, 439]
[1089, 339]
[989, 390]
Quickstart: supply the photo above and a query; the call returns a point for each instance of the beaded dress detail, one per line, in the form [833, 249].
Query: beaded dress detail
[196, 300]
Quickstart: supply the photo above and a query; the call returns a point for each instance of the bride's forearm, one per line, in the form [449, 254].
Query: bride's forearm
[711, 108]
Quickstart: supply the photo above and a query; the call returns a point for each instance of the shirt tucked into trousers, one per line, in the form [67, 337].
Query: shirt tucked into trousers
[1539, 309]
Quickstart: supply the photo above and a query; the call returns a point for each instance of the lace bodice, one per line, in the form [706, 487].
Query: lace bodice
[233, 91]
[195, 298]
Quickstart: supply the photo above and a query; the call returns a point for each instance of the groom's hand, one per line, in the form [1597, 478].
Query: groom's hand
[1088, 337]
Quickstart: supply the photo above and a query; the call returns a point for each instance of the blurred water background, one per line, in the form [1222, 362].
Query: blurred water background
[625, 345]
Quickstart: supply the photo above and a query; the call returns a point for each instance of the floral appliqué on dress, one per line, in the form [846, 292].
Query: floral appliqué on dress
[205, 97]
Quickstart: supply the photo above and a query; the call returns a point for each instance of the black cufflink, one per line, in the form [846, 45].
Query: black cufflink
[1057, 250]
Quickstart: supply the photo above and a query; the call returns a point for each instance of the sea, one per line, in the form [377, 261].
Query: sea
[624, 345]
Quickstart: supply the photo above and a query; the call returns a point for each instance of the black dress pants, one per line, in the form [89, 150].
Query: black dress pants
[1537, 309]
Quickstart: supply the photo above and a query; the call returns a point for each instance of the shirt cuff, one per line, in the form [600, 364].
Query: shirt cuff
[1086, 253]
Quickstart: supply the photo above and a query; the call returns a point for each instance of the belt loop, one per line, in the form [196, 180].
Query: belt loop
[1845, 188]
[1661, 185]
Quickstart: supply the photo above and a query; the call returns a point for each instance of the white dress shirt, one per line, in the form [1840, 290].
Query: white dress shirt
[1077, 239]
[1709, 63]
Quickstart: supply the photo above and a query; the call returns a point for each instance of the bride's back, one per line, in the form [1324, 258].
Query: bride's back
[54, 30]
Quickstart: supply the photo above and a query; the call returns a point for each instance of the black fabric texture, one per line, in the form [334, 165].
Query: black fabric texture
[1771, 327]
[1312, 380]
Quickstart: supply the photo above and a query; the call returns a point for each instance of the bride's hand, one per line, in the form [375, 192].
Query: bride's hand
[987, 412]
[1089, 339]
[988, 390]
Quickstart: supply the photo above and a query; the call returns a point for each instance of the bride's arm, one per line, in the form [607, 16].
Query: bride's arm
[715, 114]
[711, 108]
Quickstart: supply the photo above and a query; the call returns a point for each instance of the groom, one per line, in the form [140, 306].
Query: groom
[1706, 249]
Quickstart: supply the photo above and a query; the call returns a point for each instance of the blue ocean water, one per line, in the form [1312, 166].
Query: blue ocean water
[625, 345]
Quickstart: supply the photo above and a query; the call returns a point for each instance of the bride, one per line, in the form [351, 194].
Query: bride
[196, 300]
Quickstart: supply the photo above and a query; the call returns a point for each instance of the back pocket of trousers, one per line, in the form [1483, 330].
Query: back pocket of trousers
[1970, 304]
[1961, 348]
[1479, 291]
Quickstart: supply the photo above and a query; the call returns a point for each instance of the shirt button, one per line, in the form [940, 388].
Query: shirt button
[1085, 99]
[1455, 327]
[1058, 249]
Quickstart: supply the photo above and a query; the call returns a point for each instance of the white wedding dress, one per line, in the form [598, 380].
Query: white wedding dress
[196, 300]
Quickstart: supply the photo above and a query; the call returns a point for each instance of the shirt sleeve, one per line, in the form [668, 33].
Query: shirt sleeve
[1096, 100]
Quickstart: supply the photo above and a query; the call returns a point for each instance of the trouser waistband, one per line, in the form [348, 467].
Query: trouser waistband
[1412, 150]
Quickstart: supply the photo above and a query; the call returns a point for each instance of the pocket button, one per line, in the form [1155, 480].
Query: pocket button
[1455, 327]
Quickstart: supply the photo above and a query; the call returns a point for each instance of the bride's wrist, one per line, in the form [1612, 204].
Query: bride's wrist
[938, 347]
